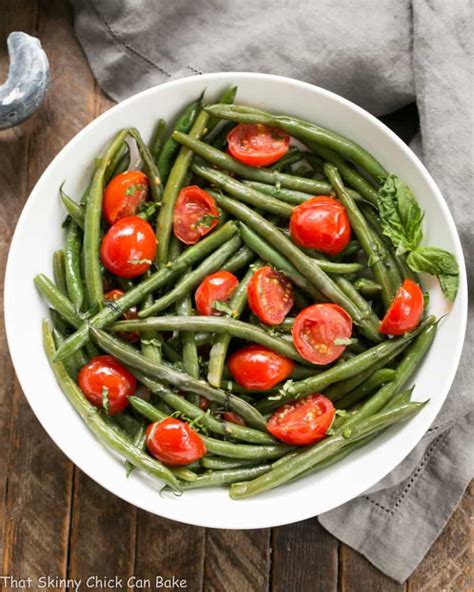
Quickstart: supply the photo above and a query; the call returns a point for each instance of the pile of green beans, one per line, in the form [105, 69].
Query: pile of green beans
[181, 357]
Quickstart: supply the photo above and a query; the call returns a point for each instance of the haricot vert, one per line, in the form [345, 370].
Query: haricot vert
[240, 310]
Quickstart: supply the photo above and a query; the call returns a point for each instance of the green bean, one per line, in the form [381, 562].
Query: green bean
[150, 341]
[151, 170]
[243, 258]
[72, 262]
[192, 279]
[227, 97]
[179, 379]
[243, 192]
[175, 181]
[139, 441]
[171, 148]
[123, 164]
[315, 454]
[289, 196]
[59, 271]
[58, 300]
[348, 173]
[200, 417]
[218, 353]
[352, 249]
[401, 399]
[219, 141]
[304, 131]
[213, 324]
[376, 379]
[227, 163]
[220, 463]
[115, 161]
[113, 311]
[73, 364]
[92, 275]
[301, 262]
[157, 139]
[351, 367]
[266, 252]
[75, 210]
[291, 157]
[93, 420]
[221, 447]
[375, 252]
[364, 307]
[367, 287]
[214, 478]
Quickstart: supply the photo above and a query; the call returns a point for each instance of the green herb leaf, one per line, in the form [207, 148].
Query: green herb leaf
[222, 306]
[105, 400]
[206, 221]
[400, 215]
[344, 341]
[437, 262]
[140, 261]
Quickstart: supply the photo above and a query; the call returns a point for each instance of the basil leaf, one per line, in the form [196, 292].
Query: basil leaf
[437, 262]
[400, 215]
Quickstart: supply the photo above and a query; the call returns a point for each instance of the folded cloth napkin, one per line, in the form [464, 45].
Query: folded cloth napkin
[381, 54]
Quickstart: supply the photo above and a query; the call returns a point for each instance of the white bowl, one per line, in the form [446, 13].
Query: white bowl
[39, 233]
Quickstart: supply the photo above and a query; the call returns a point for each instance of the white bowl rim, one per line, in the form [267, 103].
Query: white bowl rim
[294, 513]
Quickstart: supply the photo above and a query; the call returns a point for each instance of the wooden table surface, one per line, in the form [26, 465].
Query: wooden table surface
[56, 521]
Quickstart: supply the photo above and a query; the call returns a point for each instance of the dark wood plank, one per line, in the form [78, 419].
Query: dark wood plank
[37, 506]
[14, 145]
[304, 558]
[448, 565]
[356, 574]
[169, 549]
[237, 560]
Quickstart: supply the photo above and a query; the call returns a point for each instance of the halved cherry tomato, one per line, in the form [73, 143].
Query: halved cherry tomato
[302, 422]
[218, 286]
[106, 383]
[405, 311]
[270, 295]
[129, 315]
[173, 442]
[232, 417]
[321, 223]
[259, 368]
[195, 214]
[316, 332]
[129, 247]
[124, 194]
[256, 144]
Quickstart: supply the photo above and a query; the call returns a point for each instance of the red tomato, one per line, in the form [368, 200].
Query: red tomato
[173, 442]
[124, 194]
[316, 330]
[129, 247]
[232, 417]
[405, 311]
[270, 295]
[321, 223]
[302, 422]
[195, 214]
[131, 314]
[256, 144]
[259, 368]
[217, 286]
[106, 383]
[204, 403]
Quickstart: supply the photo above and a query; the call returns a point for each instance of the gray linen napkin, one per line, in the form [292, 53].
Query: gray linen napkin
[381, 54]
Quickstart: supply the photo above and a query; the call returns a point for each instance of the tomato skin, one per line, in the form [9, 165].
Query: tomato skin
[321, 223]
[270, 295]
[304, 421]
[173, 442]
[256, 144]
[129, 315]
[404, 313]
[259, 368]
[315, 329]
[105, 372]
[232, 417]
[124, 194]
[195, 214]
[217, 286]
[129, 240]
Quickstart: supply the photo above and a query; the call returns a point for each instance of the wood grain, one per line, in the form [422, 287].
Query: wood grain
[304, 557]
[55, 520]
[237, 560]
